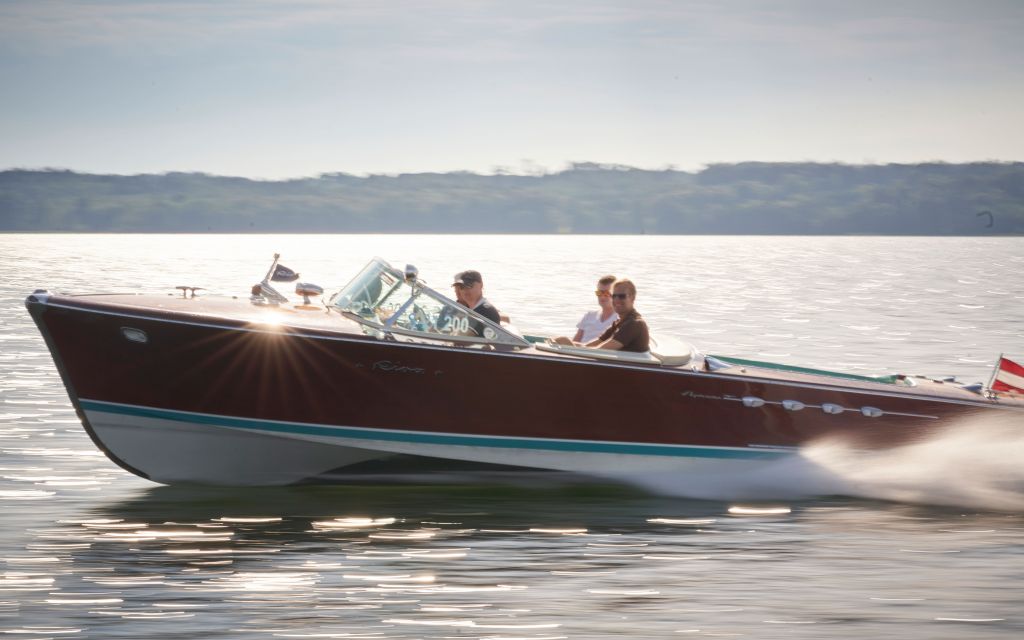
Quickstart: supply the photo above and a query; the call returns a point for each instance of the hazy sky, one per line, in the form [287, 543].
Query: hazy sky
[283, 89]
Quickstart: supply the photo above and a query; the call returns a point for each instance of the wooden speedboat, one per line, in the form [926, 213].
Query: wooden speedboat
[260, 391]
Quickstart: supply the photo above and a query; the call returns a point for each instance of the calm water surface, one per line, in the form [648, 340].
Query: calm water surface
[931, 547]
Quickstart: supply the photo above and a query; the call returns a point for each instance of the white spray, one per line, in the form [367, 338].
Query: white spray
[977, 463]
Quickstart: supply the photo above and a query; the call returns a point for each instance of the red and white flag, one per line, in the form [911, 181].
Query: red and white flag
[1009, 377]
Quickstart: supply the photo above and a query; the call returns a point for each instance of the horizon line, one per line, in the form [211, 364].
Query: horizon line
[502, 172]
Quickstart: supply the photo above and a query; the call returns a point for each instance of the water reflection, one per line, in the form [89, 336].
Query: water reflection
[401, 558]
[493, 561]
[90, 551]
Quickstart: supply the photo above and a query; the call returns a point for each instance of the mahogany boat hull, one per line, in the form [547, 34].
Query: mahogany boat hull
[225, 393]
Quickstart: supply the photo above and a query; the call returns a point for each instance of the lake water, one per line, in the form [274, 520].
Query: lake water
[926, 542]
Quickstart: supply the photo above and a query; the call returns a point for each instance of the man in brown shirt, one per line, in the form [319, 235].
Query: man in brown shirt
[629, 332]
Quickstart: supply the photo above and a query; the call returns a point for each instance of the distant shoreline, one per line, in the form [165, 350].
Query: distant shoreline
[756, 199]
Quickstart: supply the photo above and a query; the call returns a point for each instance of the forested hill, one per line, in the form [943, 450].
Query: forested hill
[746, 198]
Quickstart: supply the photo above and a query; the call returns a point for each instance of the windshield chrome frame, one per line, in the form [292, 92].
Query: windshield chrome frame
[418, 288]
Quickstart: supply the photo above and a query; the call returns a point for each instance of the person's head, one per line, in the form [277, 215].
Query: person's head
[623, 295]
[469, 286]
[604, 291]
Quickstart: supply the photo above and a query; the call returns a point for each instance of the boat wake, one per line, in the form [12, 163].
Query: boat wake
[976, 464]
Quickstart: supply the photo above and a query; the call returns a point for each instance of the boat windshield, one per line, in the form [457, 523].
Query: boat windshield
[383, 299]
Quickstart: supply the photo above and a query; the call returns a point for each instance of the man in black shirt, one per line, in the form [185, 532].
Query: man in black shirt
[469, 290]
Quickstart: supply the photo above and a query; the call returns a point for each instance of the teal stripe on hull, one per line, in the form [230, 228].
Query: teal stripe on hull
[413, 437]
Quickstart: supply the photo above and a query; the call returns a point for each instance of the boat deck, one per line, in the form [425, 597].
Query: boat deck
[241, 311]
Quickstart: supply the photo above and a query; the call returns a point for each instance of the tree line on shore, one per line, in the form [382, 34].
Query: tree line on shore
[745, 198]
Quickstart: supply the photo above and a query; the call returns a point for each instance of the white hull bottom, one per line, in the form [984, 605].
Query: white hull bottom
[184, 448]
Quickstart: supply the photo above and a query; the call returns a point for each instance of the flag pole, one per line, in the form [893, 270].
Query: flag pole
[273, 265]
[269, 291]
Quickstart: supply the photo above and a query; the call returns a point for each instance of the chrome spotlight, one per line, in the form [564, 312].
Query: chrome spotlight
[306, 289]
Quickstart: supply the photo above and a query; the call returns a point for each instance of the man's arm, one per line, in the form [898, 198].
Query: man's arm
[624, 334]
[610, 343]
[604, 341]
[607, 337]
[596, 343]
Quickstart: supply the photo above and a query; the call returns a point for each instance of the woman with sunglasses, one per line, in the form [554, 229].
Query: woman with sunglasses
[594, 323]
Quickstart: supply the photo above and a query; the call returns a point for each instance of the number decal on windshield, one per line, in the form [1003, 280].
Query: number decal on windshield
[455, 325]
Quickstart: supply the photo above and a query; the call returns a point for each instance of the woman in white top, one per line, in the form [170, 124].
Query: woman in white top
[594, 323]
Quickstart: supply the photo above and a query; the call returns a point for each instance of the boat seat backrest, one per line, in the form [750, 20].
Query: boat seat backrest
[671, 352]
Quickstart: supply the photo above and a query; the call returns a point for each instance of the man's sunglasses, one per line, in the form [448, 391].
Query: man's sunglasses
[602, 294]
[619, 296]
